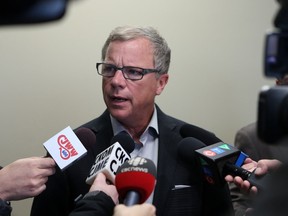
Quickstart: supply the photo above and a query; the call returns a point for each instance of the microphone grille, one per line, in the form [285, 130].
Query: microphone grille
[86, 136]
[187, 147]
[125, 140]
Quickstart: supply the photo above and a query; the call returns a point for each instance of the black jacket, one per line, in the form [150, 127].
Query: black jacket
[100, 205]
[196, 199]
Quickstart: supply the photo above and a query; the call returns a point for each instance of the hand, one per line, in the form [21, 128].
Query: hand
[261, 167]
[264, 166]
[100, 183]
[243, 185]
[135, 210]
[25, 178]
[249, 165]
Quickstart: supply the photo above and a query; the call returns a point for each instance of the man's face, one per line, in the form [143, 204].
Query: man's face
[131, 102]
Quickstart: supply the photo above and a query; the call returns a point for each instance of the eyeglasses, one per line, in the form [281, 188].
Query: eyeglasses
[129, 72]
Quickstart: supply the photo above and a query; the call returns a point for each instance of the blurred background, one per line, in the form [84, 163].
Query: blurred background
[48, 78]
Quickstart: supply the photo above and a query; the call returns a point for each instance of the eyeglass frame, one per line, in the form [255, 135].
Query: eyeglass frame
[143, 72]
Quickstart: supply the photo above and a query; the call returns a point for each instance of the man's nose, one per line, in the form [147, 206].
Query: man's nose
[118, 77]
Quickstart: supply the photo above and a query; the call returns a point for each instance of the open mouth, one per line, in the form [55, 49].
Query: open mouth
[118, 99]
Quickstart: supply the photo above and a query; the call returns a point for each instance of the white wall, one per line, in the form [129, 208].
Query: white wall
[48, 78]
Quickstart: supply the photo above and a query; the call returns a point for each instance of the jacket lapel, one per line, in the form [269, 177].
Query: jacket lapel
[167, 160]
[103, 130]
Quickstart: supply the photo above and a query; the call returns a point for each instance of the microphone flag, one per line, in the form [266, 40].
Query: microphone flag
[108, 162]
[213, 160]
[65, 148]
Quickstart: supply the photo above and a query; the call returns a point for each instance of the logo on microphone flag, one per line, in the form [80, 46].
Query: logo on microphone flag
[65, 148]
[108, 162]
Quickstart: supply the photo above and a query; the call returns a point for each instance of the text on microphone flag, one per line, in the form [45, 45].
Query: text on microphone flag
[108, 162]
[67, 150]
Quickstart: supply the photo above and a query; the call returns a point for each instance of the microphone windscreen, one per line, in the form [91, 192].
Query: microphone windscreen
[187, 147]
[137, 174]
[188, 130]
[86, 136]
[125, 140]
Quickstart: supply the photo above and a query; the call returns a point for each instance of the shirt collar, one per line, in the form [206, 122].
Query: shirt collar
[153, 124]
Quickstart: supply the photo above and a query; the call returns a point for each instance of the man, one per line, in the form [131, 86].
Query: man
[24, 178]
[135, 63]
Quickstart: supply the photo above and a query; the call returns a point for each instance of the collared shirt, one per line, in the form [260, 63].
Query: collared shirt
[149, 139]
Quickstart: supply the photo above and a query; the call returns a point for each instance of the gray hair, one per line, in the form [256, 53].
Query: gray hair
[162, 52]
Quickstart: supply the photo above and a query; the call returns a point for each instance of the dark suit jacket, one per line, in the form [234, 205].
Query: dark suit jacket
[100, 205]
[197, 199]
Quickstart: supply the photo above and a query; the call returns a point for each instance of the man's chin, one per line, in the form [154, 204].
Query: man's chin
[120, 115]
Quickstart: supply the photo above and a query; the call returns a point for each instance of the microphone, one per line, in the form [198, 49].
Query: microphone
[186, 149]
[188, 130]
[86, 136]
[135, 180]
[217, 161]
[125, 140]
[109, 160]
[214, 160]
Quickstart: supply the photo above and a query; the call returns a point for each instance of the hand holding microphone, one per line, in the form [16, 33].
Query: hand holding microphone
[135, 181]
[25, 178]
[100, 184]
[100, 192]
[261, 171]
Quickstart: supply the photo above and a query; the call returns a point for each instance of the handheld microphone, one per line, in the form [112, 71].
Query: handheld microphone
[259, 181]
[217, 161]
[213, 160]
[135, 180]
[109, 160]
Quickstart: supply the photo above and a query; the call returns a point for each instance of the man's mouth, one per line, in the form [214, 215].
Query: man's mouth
[118, 99]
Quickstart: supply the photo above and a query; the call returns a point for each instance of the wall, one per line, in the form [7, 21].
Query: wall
[48, 78]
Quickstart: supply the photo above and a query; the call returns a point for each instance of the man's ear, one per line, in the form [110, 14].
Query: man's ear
[162, 81]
